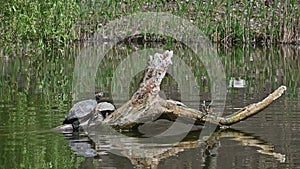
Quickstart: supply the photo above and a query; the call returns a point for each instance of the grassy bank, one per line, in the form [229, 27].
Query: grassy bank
[27, 25]
[227, 21]
[37, 25]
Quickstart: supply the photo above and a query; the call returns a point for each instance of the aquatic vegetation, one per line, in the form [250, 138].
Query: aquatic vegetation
[228, 22]
[30, 25]
[37, 24]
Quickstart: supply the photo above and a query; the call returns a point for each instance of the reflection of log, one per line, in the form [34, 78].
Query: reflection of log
[144, 154]
[210, 144]
[146, 105]
[250, 140]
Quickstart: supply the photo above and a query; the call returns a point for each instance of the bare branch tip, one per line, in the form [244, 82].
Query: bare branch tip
[284, 88]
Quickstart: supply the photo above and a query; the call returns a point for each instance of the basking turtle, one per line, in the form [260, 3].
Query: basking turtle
[83, 111]
[102, 110]
[105, 109]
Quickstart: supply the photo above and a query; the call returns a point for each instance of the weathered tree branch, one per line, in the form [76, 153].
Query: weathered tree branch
[252, 109]
[146, 105]
[238, 116]
[154, 74]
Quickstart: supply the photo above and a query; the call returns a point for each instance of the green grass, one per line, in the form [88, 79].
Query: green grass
[32, 25]
[36, 25]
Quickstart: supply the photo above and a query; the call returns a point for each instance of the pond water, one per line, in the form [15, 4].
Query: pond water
[36, 93]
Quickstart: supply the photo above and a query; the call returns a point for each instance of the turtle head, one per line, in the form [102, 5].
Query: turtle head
[98, 96]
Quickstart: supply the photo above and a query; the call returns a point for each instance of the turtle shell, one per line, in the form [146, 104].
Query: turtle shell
[102, 110]
[80, 110]
[105, 106]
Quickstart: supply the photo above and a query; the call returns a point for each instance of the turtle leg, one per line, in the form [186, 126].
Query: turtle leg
[75, 125]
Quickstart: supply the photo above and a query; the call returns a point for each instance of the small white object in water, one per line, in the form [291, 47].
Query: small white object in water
[237, 82]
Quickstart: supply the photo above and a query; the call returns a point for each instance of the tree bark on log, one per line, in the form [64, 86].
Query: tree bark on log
[146, 104]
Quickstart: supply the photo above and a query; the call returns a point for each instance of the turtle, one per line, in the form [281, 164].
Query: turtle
[83, 111]
[102, 110]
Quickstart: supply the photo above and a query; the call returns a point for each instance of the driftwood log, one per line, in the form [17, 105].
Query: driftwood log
[146, 104]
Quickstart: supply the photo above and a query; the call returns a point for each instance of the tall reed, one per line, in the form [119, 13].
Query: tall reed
[28, 25]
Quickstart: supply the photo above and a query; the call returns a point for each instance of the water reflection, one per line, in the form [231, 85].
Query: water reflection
[35, 95]
[150, 155]
[81, 144]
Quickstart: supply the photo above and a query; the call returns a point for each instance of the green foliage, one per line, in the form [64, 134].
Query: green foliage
[32, 25]
[228, 22]
[40, 22]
